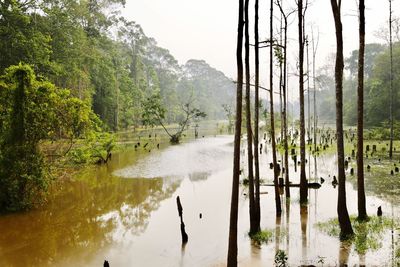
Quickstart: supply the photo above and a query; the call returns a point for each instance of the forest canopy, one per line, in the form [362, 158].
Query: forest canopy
[75, 70]
[377, 87]
[89, 48]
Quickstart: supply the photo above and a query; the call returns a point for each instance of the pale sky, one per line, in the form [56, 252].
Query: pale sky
[206, 29]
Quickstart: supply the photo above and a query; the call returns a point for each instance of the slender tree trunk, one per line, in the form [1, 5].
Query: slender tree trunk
[271, 95]
[284, 89]
[303, 179]
[285, 127]
[281, 76]
[345, 225]
[391, 80]
[362, 212]
[308, 93]
[232, 247]
[314, 93]
[253, 220]
[256, 119]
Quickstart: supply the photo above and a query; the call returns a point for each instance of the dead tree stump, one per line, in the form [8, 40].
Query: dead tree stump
[185, 237]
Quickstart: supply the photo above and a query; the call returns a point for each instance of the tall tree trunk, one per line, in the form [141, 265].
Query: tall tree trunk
[314, 47]
[281, 76]
[253, 220]
[391, 80]
[362, 212]
[308, 93]
[345, 225]
[284, 89]
[256, 118]
[232, 247]
[303, 179]
[271, 95]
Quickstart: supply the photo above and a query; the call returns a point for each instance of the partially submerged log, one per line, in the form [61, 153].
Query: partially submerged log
[309, 185]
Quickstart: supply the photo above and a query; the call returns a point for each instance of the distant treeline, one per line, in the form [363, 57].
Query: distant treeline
[377, 87]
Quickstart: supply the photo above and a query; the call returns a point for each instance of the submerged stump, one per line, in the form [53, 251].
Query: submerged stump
[184, 235]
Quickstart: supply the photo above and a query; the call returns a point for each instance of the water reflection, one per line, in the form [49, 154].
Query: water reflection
[198, 176]
[344, 252]
[303, 223]
[278, 222]
[134, 222]
[81, 221]
[202, 156]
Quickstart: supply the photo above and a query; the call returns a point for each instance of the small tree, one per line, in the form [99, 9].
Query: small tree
[154, 114]
[230, 116]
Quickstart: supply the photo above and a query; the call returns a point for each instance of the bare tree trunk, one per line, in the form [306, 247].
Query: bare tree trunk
[281, 76]
[284, 89]
[345, 225]
[271, 95]
[232, 247]
[308, 93]
[253, 221]
[314, 47]
[362, 212]
[256, 119]
[391, 80]
[303, 179]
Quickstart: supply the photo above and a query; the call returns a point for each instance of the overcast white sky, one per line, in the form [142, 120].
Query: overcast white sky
[206, 29]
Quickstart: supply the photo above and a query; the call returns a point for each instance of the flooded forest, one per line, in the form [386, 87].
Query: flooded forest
[203, 133]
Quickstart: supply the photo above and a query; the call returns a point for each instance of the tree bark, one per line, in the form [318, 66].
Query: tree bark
[253, 221]
[284, 89]
[180, 213]
[362, 212]
[256, 120]
[308, 94]
[303, 179]
[271, 95]
[391, 80]
[314, 47]
[232, 246]
[344, 221]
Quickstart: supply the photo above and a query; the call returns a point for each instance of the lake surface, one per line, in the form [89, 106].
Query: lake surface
[126, 212]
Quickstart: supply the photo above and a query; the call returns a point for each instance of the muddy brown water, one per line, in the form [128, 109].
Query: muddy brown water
[125, 212]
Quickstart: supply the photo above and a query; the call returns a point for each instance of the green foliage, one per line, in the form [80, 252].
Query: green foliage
[95, 149]
[367, 234]
[153, 110]
[20, 38]
[154, 114]
[383, 131]
[105, 60]
[376, 87]
[263, 236]
[33, 110]
[371, 52]
[281, 258]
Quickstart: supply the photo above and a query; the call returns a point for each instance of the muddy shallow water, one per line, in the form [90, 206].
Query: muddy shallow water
[125, 212]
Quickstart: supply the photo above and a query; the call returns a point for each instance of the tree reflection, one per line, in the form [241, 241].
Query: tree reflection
[304, 220]
[82, 219]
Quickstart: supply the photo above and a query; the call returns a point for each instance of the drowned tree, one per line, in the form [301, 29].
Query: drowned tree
[154, 114]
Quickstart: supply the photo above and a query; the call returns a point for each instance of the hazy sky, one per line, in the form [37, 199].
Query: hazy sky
[206, 29]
